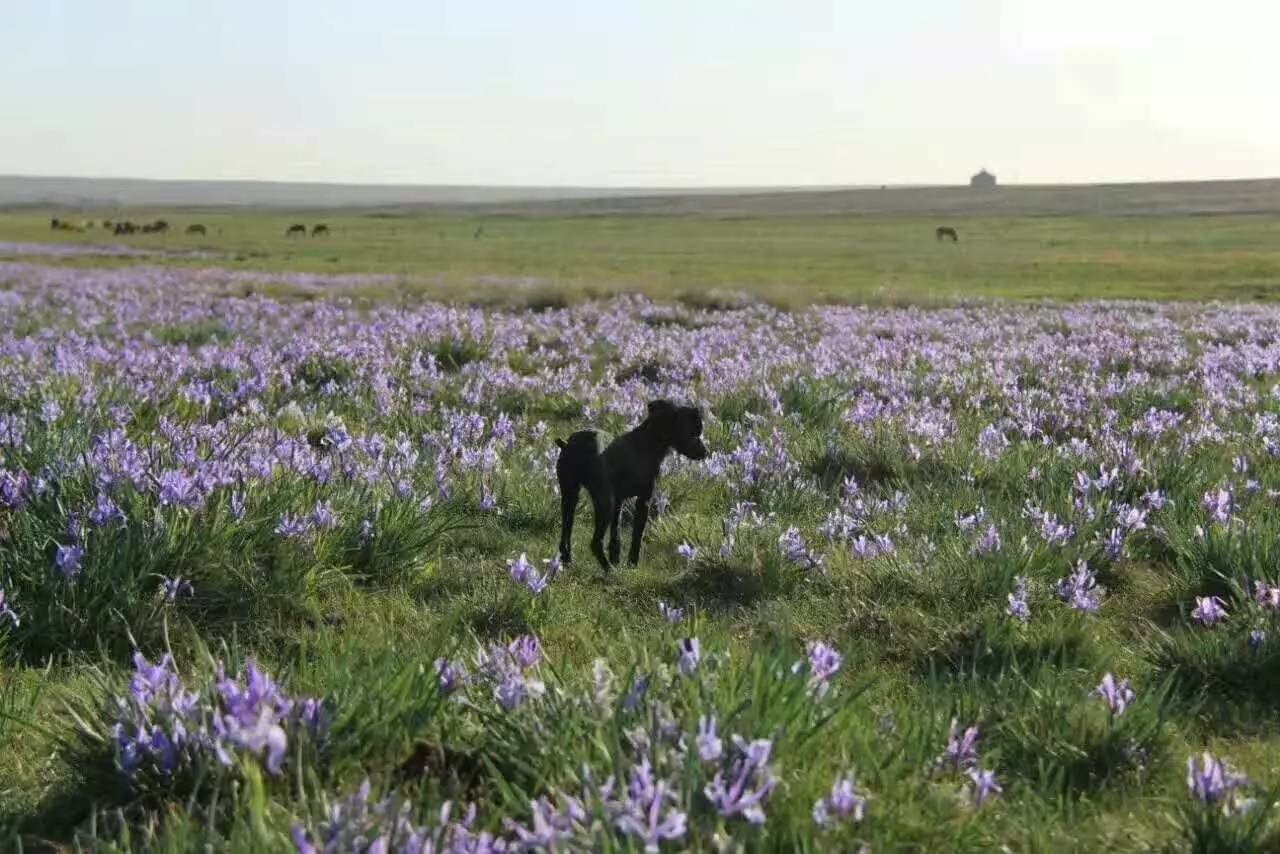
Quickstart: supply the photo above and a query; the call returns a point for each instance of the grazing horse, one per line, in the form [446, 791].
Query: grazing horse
[319, 229]
[55, 224]
[196, 228]
[296, 228]
[945, 231]
[125, 227]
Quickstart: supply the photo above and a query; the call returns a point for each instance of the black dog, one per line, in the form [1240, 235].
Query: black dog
[626, 468]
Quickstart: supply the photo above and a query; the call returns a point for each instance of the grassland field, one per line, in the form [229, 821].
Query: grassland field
[951, 487]
[789, 259]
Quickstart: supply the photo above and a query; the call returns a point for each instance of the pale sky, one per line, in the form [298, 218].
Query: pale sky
[644, 93]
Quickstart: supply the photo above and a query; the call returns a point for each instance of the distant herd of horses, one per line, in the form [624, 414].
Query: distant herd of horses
[943, 232]
[119, 227]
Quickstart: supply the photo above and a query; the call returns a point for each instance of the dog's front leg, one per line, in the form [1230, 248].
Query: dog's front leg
[637, 528]
[615, 536]
[568, 506]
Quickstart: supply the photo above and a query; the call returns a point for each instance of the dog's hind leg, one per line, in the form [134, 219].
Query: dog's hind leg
[568, 506]
[637, 528]
[602, 505]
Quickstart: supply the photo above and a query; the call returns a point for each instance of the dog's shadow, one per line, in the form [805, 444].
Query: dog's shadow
[720, 585]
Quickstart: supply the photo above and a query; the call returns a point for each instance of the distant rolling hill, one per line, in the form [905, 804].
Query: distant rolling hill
[98, 193]
[1260, 196]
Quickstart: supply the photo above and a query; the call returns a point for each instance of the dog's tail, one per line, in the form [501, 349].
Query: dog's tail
[562, 443]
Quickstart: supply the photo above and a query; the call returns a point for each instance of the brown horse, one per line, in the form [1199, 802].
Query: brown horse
[296, 228]
[945, 231]
[196, 228]
[319, 228]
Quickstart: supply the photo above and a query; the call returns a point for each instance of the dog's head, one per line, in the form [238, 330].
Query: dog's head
[679, 426]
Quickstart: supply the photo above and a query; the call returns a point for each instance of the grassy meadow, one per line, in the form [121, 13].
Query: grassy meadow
[791, 260]
[984, 555]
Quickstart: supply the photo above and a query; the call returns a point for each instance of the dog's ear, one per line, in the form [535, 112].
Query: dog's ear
[661, 407]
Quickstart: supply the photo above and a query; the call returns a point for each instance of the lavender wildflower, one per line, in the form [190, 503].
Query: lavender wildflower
[105, 512]
[1208, 610]
[1117, 695]
[450, 676]
[989, 542]
[844, 802]
[14, 487]
[984, 785]
[253, 719]
[1211, 783]
[636, 694]
[688, 552]
[67, 560]
[991, 442]
[1018, 607]
[522, 572]
[525, 651]
[1220, 504]
[1257, 638]
[710, 745]
[1113, 547]
[322, 517]
[293, 527]
[690, 656]
[1268, 596]
[962, 749]
[650, 812]
[748, 784]
[1080, 589]
[824, 662]
[796, 551]
[670, 613]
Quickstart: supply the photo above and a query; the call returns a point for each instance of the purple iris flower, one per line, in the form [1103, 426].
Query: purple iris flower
[670, 613]
[746, 786]
[844, 802]
[985, 785]
[1208, 610]
[1117, 695]
[710, 745]
[67, 560]
[962, 749]
[1018, 607]
[690, 656]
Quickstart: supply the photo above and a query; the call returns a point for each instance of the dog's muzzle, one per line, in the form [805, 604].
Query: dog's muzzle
[693, 449]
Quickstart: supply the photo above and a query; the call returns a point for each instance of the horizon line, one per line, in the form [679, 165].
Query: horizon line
[652, 188]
